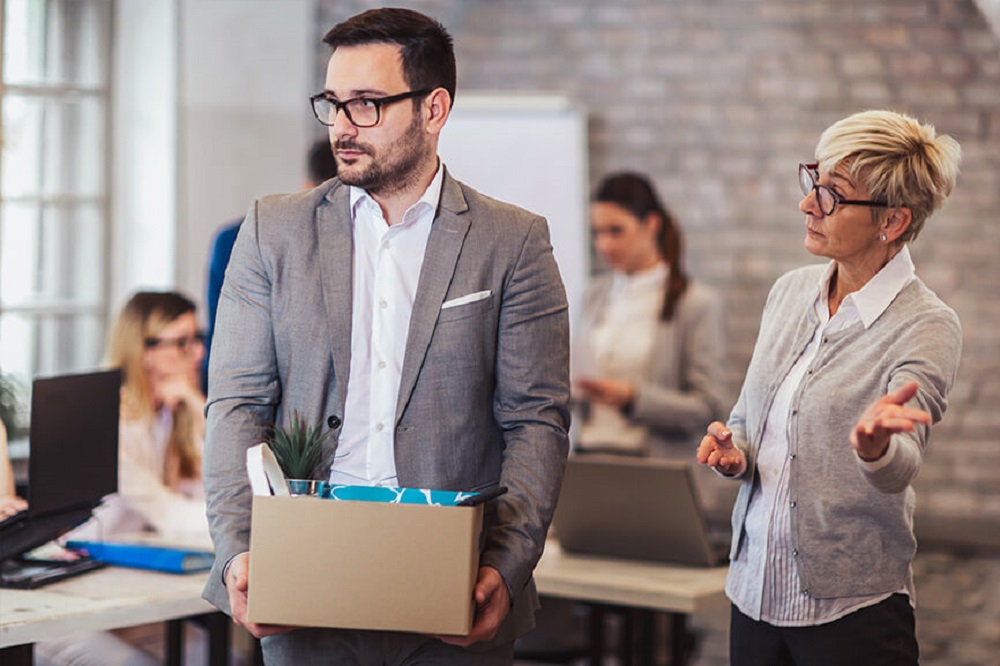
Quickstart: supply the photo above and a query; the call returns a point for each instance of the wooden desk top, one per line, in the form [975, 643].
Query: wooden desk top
[109, 598]
[663, 587]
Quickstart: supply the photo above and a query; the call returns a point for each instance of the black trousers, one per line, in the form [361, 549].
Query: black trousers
[879, 635]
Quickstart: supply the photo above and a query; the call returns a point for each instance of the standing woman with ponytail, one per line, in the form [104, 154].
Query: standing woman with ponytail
[648, 349]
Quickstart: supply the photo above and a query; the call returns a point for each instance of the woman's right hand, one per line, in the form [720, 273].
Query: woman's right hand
[11, 504]
[178, 390]
[718, 451]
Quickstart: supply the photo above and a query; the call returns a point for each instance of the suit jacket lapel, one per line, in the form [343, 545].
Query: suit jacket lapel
[443, 247]
[336, 249]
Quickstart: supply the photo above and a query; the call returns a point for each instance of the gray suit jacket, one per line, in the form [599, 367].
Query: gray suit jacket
[483, 397]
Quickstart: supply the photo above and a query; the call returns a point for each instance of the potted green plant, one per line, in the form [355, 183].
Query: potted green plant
[298, 447]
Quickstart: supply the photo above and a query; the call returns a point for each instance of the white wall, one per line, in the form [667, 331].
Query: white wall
[246, 70]
[211, 111]
[144, 147]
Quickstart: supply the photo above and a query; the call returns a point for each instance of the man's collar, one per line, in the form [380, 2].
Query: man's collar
[431, 196]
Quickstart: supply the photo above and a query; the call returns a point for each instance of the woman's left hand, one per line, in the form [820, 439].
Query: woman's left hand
[886, 417]
[608, 391]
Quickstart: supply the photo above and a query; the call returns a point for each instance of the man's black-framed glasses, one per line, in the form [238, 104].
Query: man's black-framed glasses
[361, 111]
[827, 199]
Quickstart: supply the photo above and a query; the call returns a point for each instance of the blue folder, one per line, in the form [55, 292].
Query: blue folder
[141, 556]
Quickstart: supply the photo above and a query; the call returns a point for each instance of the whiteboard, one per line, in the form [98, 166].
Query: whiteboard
[528, 150]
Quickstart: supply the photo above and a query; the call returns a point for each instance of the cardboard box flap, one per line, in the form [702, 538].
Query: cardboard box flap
[266, 477]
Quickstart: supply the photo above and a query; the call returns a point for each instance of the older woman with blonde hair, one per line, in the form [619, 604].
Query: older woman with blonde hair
[853, 363]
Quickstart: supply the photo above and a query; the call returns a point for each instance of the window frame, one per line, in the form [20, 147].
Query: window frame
[54, 321]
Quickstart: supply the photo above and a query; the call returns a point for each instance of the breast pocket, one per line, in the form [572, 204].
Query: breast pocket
[465, 310]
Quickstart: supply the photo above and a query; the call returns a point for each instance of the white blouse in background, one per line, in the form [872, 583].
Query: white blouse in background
[144, 501]
[619, 346]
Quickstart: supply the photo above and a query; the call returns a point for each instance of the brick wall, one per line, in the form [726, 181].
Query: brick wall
[719, 100]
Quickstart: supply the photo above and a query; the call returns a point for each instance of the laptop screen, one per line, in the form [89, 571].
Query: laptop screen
[73, 459]
[644, 509]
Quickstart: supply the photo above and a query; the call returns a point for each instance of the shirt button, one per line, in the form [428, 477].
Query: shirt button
[791, 504]
[381, 364]
[383, 304]
[795, 553]
[791, 456]
[379, 427]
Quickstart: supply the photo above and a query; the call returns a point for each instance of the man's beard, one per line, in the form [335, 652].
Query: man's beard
[399, 168]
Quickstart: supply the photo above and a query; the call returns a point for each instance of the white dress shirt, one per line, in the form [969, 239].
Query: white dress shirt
[387, 263]
[619, 347]
[763, 579]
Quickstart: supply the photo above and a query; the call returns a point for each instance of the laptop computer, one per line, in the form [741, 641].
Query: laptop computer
[73, 460]
[642, 509]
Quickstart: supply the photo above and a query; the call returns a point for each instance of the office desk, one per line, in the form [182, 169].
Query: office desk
[110, 598]
[674, 589]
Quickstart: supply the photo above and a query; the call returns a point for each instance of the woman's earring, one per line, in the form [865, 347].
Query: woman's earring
[883, 238]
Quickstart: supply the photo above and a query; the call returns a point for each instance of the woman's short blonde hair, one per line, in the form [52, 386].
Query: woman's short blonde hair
[898, 159]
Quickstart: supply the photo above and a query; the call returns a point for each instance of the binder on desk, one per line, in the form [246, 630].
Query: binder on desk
[143, 556]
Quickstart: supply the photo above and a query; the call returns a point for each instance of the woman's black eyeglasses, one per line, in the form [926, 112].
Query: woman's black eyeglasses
[827, 199]
[184, 344]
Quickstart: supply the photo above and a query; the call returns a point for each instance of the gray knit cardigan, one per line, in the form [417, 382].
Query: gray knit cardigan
[852, 528]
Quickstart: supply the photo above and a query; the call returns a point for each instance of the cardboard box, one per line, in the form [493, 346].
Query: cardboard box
[363, 565]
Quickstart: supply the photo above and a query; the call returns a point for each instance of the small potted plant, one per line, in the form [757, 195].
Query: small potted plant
[298, 447]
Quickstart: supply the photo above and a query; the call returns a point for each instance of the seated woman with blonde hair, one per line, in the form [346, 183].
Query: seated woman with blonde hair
[156, 342]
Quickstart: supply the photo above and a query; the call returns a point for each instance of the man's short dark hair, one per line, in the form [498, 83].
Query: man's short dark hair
[321, 163]
[426, 47]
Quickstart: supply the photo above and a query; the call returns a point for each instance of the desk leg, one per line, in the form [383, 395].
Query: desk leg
[218, 638]
[175, 643]
[17, 655]
[596, 630]
[643, 634]
[626, 635]
[679, 639]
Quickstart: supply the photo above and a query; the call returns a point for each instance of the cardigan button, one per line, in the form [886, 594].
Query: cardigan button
[333, 421]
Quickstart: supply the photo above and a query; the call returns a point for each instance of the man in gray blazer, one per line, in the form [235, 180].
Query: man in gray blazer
[425, 323]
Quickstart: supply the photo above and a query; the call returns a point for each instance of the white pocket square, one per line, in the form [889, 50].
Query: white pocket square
[468, 298]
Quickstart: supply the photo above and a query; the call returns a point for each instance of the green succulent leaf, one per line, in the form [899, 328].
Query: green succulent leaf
[298, 447]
